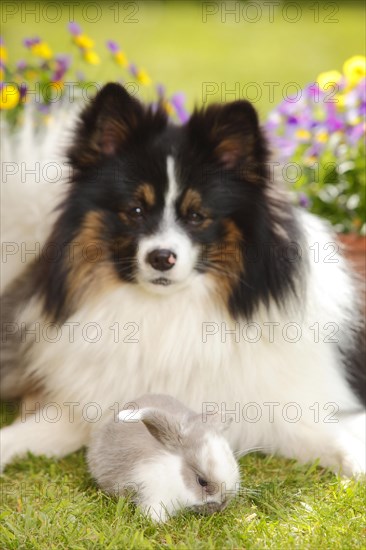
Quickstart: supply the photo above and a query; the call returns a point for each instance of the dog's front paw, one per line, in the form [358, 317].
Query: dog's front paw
[10, 446]
[353, 455]
[353, 465]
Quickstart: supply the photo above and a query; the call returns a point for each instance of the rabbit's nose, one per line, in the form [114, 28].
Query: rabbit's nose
[208, 508]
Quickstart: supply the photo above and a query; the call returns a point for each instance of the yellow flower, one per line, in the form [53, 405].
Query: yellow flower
[3, 54]
[58, 84]
[329, 77]
[340, 102]
[53, 91]
[121, 59]
[355, 69]
[91, 57]
[309, 161]
[83, 41]
[169, 108]
[42, 50]
[9, 96]
[303, 134]
[2, 73]
[143, 77]
[30, 74]
[322, 137]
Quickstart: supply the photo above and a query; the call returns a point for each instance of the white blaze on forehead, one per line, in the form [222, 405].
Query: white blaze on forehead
[172, 192]
[170, 235]
[225, 466]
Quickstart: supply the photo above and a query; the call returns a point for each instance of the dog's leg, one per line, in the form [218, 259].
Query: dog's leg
[42, 436]
[352, 441]
[340, 446]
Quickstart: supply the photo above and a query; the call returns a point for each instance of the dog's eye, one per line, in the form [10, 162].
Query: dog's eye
[202, 481]
[194, 218]
[136, 212]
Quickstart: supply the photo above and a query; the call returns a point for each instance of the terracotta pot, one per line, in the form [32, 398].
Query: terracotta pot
[354, 248]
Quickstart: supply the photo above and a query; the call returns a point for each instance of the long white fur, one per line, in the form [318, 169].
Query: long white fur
[164, 491]
[172, 357]
[34, 172]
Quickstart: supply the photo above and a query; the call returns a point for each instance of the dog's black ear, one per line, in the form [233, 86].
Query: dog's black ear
[232, 135]
[105, 125]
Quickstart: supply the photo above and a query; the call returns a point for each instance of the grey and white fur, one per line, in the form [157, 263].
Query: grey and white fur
[166, 457]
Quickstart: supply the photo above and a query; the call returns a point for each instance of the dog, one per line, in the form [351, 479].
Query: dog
[175, 263]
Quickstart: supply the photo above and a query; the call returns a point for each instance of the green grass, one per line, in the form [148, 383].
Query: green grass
[49, 504]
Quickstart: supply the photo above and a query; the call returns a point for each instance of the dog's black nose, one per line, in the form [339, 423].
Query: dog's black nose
[162, 259]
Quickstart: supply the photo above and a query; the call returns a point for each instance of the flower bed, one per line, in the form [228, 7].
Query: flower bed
[319, 133]
[322, 131]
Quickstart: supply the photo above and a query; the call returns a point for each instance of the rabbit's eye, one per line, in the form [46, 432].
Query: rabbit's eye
[202, 481]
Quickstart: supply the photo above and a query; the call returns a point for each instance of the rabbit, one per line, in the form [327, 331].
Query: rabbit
[166, 457]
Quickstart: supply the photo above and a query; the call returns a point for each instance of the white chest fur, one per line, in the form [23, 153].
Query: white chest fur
[269, 375]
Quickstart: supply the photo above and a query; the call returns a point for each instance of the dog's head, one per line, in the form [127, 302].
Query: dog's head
[162, 204]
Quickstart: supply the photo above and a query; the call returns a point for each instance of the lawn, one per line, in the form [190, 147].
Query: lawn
[54, 504]
[48, 504]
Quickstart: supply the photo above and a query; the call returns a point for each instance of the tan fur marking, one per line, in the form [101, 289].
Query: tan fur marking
[146, 194]
[90, 262]
[230, 150]
[226, 259]
[193, 201]
[236, 153]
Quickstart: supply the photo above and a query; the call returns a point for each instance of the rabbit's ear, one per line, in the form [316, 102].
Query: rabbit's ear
[216, 420]
[164, 428]
[129, 415]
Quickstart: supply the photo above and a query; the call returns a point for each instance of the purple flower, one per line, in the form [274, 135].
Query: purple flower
[21, 65]
[74, 28]
[23, 90]
[312, 92]
[44, 108]
[287, 108]
[133, 69]
[178, 102]
[63, 61]
[274, 121]
[160, 90]
[362, 109]
[113, 46]
[304, 201]
[62, 64]
[333, 122]
[29, 42]
[355, 133]
[286, 147]
[361, 90]
[314, 150]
